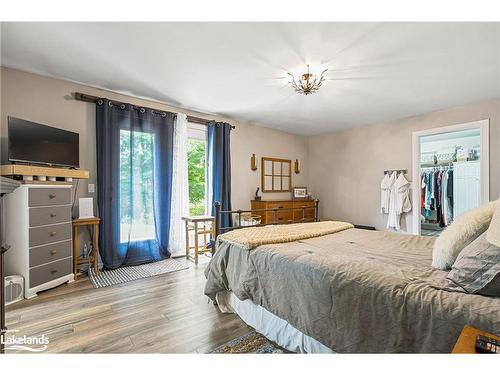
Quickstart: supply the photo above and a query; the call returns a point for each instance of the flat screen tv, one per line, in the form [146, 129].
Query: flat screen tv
[34, 143]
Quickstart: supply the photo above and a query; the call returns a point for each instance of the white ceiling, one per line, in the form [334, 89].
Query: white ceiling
[377, 71]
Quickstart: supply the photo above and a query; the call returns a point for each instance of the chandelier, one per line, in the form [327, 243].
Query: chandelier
[308, 83]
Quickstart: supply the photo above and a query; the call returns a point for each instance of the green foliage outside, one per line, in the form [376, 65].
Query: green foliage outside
[196, 176]
[136, 177]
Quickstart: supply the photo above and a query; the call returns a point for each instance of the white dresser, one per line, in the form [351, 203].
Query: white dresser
[38, 228]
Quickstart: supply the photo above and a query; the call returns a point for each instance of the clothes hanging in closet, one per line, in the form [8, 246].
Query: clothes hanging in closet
[437, 195]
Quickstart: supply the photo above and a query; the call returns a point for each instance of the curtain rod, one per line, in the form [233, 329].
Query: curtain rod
[93, 99]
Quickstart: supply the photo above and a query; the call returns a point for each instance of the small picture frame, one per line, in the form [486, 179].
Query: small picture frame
[299, 192]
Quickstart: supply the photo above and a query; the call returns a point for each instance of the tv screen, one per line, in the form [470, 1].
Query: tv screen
[41, 144]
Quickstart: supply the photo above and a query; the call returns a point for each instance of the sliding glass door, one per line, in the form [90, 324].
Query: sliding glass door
[136, 186]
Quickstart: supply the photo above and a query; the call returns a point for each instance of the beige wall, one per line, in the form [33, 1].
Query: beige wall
[49, 101]
[346, 166]
[343, 169]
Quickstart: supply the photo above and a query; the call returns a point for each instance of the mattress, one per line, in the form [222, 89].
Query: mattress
[354, 291]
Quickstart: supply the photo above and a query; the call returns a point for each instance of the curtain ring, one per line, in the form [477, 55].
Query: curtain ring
[100, 101]
[142, 110]
[163, 114]
[110, 103]
[122, 106]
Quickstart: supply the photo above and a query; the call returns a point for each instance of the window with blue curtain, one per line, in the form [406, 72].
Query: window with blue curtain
[134, 182]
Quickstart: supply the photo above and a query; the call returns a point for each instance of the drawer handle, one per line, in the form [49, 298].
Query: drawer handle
[52, 196]
[53, 272]
[53, 252]
[53, 214]
[52, 234]
[280, 207]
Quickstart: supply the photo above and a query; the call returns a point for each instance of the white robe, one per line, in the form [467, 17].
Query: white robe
[385, 187]
[399, 201]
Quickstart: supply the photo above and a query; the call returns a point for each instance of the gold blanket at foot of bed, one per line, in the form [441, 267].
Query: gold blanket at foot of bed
[250, 238]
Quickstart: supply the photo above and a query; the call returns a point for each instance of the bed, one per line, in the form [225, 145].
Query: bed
[354, 291]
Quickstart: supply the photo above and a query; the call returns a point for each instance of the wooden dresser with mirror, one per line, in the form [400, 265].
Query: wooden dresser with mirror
[285, 210]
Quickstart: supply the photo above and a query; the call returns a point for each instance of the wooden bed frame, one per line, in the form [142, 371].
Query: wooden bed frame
[219, 212]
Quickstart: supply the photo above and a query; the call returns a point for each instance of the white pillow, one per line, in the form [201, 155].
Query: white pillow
[464, 229]
[493, 234]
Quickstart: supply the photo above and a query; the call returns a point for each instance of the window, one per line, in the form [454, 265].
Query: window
[197, 169]
[136, 186]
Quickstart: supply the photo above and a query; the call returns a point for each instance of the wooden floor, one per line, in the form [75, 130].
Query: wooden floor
[162, 314]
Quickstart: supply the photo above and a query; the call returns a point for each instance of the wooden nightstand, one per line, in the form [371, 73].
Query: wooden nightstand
[94, 257]
[467, 340]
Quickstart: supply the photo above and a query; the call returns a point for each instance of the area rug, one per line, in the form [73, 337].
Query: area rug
[250, 343]
[125, 274]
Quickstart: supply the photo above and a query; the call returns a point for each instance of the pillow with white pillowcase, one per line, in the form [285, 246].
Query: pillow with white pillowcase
[459, 234]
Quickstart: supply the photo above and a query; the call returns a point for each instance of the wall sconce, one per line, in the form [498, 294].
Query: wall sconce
[253, 163]
[297, 166]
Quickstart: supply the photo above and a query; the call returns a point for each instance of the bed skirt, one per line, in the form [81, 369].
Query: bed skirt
[269, 325]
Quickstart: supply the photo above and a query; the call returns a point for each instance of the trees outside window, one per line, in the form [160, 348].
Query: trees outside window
[196, 156]
[136, 186]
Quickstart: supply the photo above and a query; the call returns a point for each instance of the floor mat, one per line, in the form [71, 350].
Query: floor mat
[125, 274]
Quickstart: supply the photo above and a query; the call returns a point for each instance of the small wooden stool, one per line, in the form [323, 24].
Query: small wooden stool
[200, 225]
[94, 258]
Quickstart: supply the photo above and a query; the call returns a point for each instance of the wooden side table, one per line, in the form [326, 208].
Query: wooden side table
[94, 257]
[199, 225]
[467, 340]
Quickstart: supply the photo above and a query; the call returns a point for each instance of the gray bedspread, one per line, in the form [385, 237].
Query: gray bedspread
[355, 291]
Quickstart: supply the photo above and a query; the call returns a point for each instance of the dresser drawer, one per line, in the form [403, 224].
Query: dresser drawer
[49, 196]
[48, 272]
[281, 217]
[300, 204]
[50, 233]
[49, 215]
[49, 253]
[279, 205]
[307, 214]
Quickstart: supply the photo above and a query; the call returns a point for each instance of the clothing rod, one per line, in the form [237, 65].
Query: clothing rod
[437, 167]
[93, 99]
[429, 165]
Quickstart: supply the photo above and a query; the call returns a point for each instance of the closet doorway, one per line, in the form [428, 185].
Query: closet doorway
[450, 174]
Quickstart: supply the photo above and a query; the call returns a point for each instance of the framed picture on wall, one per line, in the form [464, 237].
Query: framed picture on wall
[299, 192]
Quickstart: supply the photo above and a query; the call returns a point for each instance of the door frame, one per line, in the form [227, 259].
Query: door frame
[484, 128]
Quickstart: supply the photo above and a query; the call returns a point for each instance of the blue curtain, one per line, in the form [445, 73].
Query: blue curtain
[219, 153]
[134, 182]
